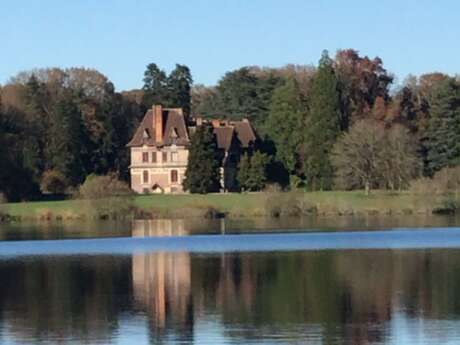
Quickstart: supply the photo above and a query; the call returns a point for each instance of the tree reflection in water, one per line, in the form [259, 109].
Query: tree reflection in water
[331, 297]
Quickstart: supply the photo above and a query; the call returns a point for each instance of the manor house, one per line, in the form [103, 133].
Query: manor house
[160, 148]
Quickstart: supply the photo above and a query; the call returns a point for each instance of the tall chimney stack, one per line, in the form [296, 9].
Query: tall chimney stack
[158, 122]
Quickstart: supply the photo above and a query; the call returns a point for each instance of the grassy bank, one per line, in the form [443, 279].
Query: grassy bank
[237, 205]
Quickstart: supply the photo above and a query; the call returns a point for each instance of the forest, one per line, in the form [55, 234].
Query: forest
[342, 124]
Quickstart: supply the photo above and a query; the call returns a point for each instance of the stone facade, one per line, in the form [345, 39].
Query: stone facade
[158, 169]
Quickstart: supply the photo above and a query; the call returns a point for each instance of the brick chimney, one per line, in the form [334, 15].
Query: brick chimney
[158, 122]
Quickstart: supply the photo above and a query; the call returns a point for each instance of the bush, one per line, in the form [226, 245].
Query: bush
[106, 196]
[103, 186]
[445, 183]
[53, 182]
[288, 204]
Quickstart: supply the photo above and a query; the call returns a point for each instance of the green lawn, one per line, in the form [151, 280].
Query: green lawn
[234, 204]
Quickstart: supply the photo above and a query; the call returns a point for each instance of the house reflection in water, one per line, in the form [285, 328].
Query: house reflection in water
[162, 281]
[162, 287]
[159, 227]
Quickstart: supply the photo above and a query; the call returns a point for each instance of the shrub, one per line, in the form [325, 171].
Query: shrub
[53, 182]
[289, 204]
[445, 183]
[106, 196]
[103, 186]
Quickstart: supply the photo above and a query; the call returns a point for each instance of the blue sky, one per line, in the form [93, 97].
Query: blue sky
[119, 38]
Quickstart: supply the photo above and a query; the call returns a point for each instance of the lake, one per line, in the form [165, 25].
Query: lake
[256, 281]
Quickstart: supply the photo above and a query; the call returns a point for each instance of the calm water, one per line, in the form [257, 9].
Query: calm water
[293, 288]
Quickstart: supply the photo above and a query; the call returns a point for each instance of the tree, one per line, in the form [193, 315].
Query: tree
[35, 98]
[252, 171]
[361, 81]
[203, 171]
[285, 124]
[204, 101]
[400, 161]
[16, 181]
[322, 126]
[442, 138]
[155, 86]
[238, 96]
[244, 167]
[369, 156]
[68, 144]
[179, 83]
[356, 156]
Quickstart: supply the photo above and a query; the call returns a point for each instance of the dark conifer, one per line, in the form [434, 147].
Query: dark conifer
[322, 127]
[203, 170]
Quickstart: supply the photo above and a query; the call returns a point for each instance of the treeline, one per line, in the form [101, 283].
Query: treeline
[337, 125]
[62, 125]
[340, 125]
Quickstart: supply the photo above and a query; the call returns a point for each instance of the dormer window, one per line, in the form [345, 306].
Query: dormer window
[145, 134]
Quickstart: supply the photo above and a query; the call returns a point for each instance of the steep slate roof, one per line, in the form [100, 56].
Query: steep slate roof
[226, 131]
[173, 128]
[245, 133]
[224, 137]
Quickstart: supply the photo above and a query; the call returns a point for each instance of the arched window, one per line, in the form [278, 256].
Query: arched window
[174, 176]
[145, 176]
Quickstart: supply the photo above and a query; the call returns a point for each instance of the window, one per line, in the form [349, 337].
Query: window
[165, 156]
[174, 176]
[145, 176]
[154, 157]
[145, 157]
[173, 156]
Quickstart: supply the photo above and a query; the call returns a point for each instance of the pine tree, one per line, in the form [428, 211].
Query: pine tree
[203, 170]
[68, 141]
[323, 126]
[442, 138]
[252, 171]
[155, 86]
[244, 167]
[179, 86]
[35, 97]
[285, 124]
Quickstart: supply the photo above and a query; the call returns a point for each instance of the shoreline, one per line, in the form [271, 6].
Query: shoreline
[231, 205]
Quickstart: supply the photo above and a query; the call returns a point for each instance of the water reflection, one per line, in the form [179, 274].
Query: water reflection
[192, 226]
[162, 287]
[327, 297]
